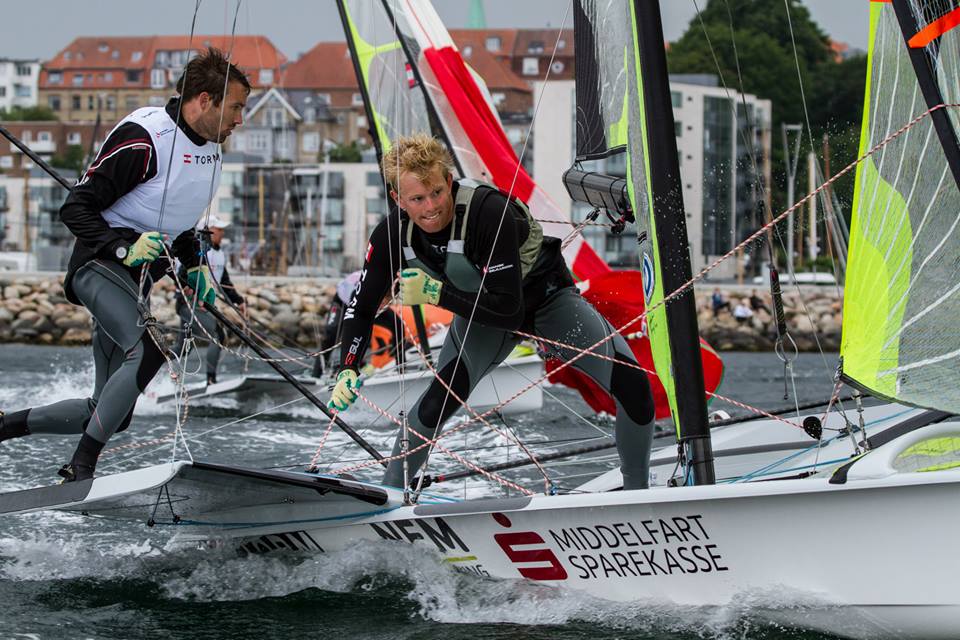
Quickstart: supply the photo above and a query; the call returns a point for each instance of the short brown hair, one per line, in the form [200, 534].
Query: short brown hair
[419, 154]
[208, 72]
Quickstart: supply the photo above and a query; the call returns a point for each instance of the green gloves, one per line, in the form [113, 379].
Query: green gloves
[344, 392]
[147, 248]
[198, 279]
[416, 287]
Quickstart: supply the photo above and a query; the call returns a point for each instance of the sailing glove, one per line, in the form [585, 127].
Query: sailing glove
[416, 287]
[198, 279]
[147, 248]
[344, 392]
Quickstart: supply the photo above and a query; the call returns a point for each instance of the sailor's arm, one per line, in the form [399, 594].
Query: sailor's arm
[126, 159]
[375, 281]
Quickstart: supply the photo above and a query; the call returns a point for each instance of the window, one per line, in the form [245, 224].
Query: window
[24, 70]
[55, 77]
[53, 102]
[74, 102]
[161, 58]
[276, 117]
[111, 103]
[238, 142]
[21, 91]
[531, 66]
[557, 67]
[323, 98]
[157, 78]
[311, 142]
[115, 54]
[136, 56]
[134, 76]
[467, 51]
[258, 141]
[361, 122]
[44, 136]
[678, 128]
[266, 76]
[90, 103]
[67, 55]
[676, 98]
[73, 137]
[103, 47]
[374, 179]
[309, 115]
[3, 92]
[497, 98]
[561, 43]
[376, 205]
[78, 79]
[229, 205]
[156, 101]
[535, 46]
[493, 43]
[6, 162]
[357, 100]
[108, 76]
[131, 103]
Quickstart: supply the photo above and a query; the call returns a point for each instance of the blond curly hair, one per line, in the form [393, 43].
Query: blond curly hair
[419, 154]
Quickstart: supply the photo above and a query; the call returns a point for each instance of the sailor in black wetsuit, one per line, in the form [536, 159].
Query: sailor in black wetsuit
[201, 322]
[148, 187]
[448, 242]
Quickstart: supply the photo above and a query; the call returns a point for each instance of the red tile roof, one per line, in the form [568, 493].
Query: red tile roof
[326, 66]
[104, 60]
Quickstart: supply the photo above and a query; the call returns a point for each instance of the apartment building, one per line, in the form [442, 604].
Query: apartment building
[18, 83]
[721, 143]
[106, 77]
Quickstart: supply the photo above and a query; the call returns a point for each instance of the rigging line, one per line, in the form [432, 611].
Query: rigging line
[496, 236]
[752, 155]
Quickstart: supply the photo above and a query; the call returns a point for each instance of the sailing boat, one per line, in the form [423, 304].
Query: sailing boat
[699, 544]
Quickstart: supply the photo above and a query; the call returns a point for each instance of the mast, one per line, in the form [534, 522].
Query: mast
[671, 237]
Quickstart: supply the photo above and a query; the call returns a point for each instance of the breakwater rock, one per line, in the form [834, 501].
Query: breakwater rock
[33, 309]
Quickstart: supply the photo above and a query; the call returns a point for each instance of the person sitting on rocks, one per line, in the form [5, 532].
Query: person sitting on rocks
[718, 302]
[742, 312]
[757, 303]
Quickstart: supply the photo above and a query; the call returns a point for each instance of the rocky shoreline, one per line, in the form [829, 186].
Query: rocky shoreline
[33, 310]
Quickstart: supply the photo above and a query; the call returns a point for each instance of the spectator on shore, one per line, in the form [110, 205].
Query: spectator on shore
[718, 302]
[742, 312]
[757, 303]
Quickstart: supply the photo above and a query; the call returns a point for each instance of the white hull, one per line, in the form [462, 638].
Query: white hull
[389, 391]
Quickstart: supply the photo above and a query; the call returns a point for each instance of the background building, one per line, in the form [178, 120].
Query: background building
[18, 83]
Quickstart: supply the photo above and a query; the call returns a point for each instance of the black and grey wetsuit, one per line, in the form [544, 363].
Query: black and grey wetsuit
[527, 286]
[145, 166]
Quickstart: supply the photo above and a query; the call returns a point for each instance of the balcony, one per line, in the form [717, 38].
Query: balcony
[41, 147]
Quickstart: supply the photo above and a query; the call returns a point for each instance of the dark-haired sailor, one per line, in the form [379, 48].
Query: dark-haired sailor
[148, 186]
[451, 249]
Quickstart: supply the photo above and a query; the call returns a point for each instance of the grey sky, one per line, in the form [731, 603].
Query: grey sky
[40, 28]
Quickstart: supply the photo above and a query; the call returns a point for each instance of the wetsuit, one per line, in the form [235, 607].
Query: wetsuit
[188, 312]
[527, 287]
[147, 176]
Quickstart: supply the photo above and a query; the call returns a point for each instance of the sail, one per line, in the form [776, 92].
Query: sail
[902, 294]
[407, 60]
[611, 118]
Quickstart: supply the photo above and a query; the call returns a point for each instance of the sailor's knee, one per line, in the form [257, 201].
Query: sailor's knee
[631, 387]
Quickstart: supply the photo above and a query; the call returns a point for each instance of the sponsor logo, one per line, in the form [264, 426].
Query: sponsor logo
[439, 532]
[292, 541]
[649, 278]
[498, 267]
[366, 258]
[164, 132]
[411, 78]
[535, 564]
[193, 158]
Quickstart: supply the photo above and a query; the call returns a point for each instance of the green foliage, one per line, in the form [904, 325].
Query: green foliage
[71, 158]
[24, 114]
[352, 152]
[755, 35]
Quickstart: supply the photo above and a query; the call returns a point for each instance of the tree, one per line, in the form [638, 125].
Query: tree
[759, 36]
[71, 159]
[352, 152]
[24, 114]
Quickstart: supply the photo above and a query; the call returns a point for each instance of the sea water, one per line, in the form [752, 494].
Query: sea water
[65, 575]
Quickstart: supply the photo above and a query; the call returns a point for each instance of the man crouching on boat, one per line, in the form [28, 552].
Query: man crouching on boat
[452, 251]
[147, 188]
